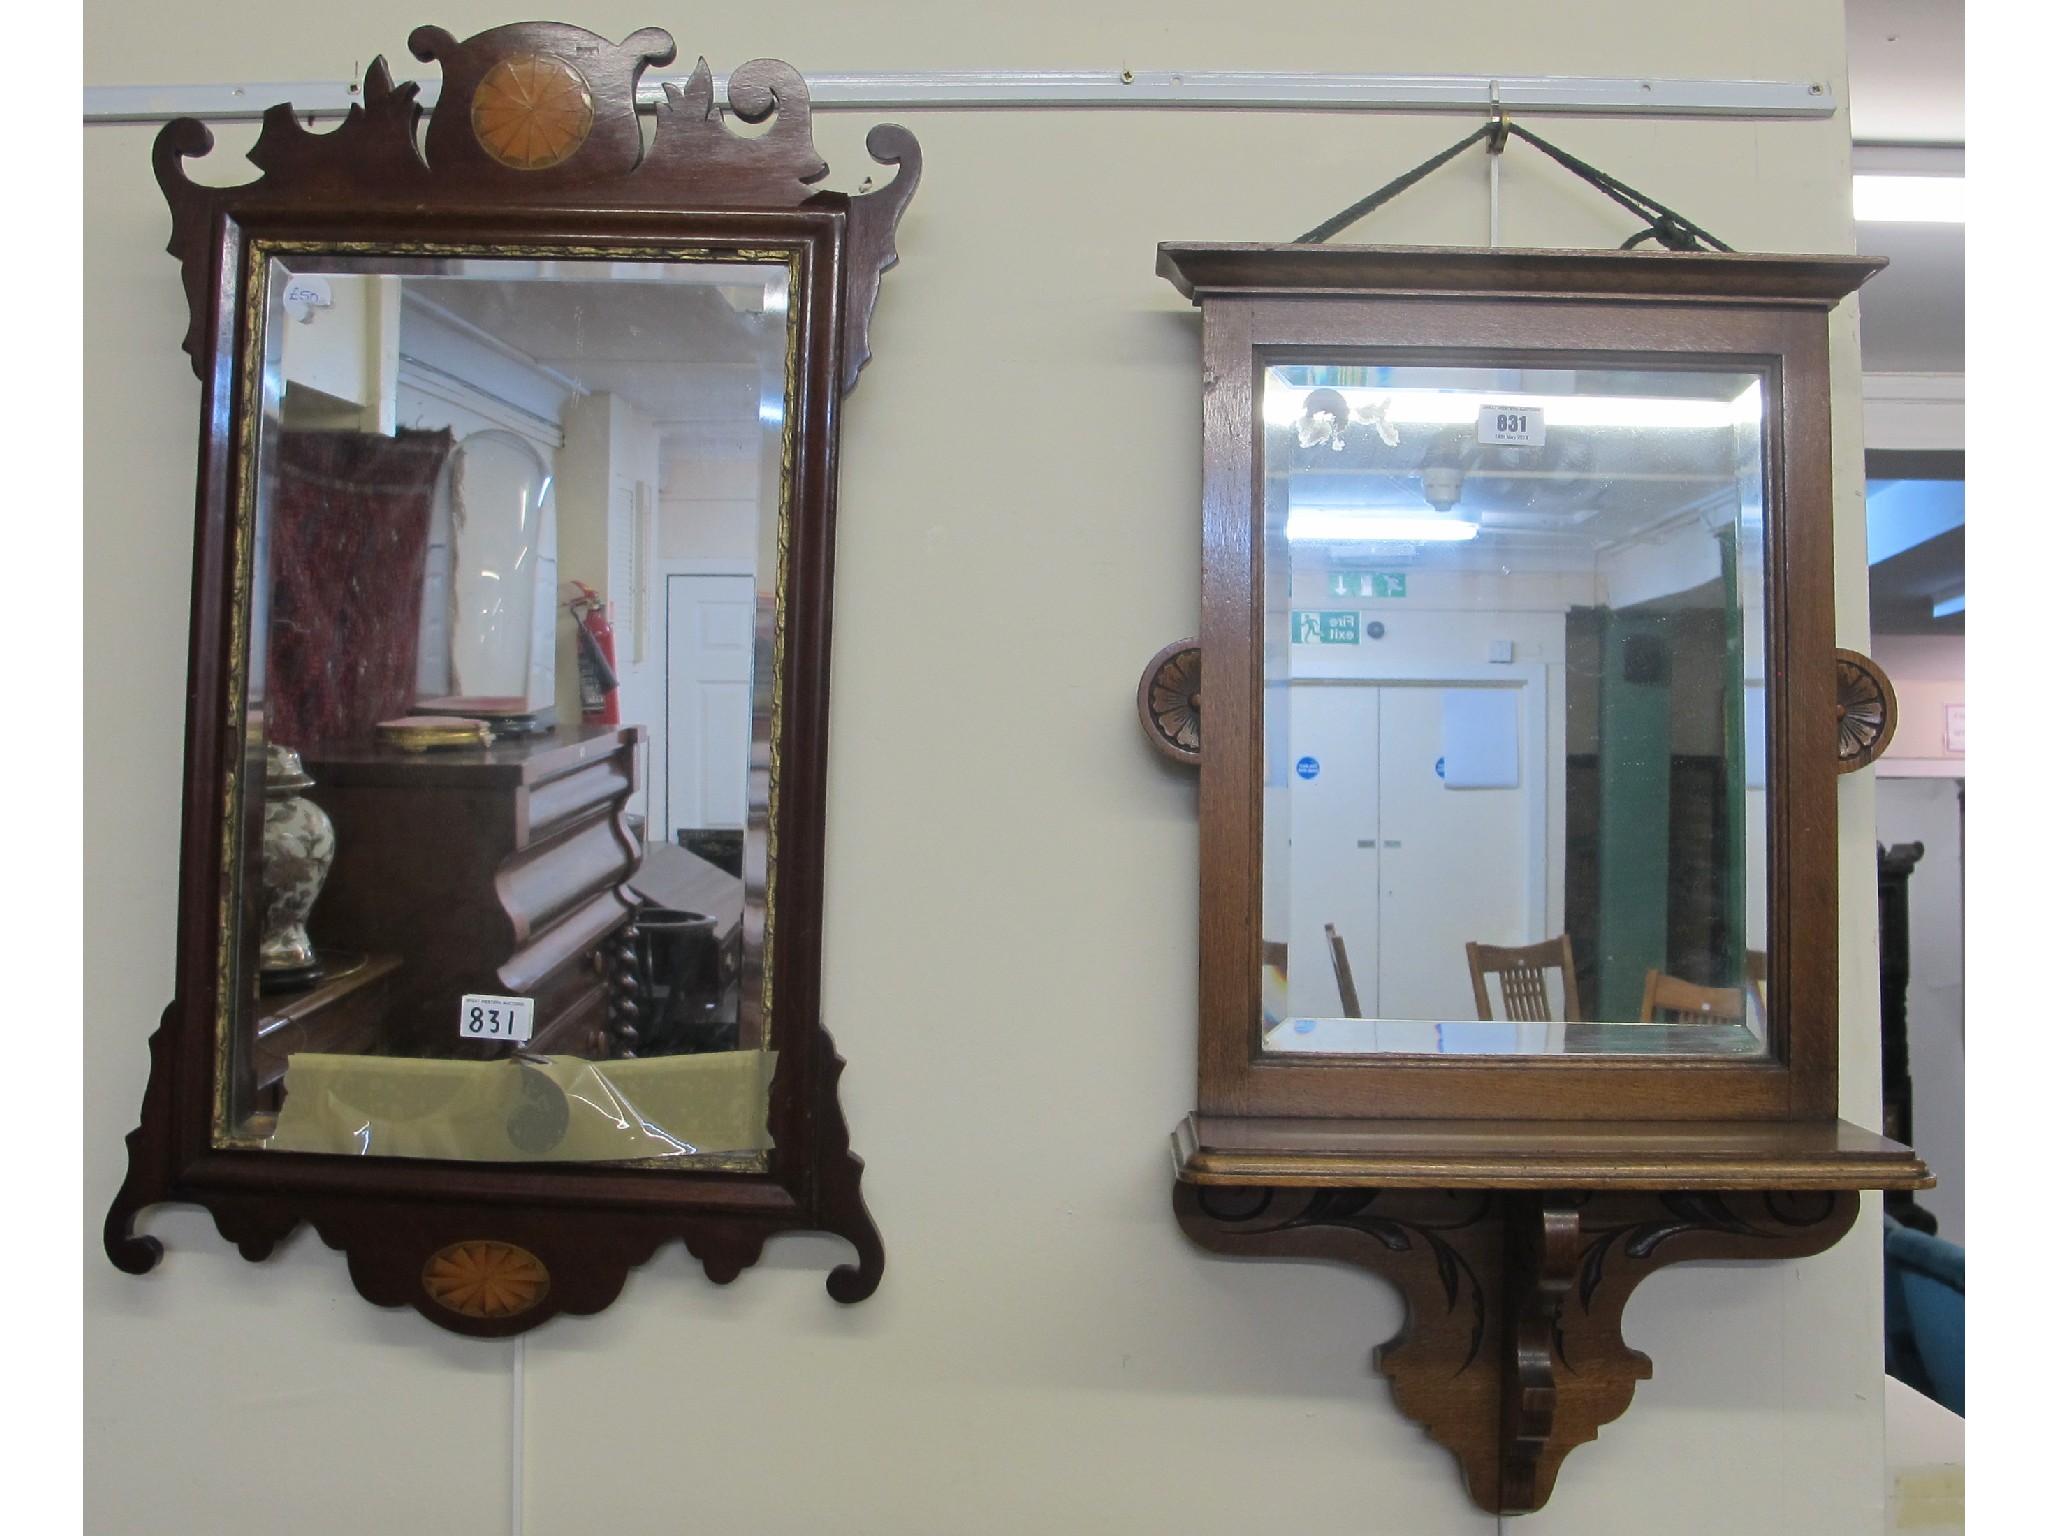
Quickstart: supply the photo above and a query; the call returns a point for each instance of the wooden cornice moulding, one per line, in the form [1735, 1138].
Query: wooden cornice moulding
[1200, 270]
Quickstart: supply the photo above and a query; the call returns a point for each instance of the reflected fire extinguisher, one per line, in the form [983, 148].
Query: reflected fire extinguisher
[597, 657]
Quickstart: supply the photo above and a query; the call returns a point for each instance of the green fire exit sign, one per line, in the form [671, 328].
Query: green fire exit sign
[1368, 583]
[1325, 627]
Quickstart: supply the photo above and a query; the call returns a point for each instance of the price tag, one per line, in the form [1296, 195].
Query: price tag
[495, 1018]
[1511, 426]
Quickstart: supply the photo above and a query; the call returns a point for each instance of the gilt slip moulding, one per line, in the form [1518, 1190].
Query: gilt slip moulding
[450, 380]
[1519, 723]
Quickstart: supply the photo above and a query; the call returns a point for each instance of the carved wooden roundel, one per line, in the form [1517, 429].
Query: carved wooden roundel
[1866, 711]
[485, 1278]
[531, 111]
[1170, 701]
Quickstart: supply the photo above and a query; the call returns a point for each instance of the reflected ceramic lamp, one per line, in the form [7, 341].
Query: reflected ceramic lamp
[298, 851]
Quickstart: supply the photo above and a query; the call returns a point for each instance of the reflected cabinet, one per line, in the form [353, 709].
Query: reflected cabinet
[1518, 714]
[504, 782]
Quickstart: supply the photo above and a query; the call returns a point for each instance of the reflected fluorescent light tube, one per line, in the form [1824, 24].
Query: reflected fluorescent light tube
[1414, 407]
[1352, 528]
[1948, 605]
[1908, 199]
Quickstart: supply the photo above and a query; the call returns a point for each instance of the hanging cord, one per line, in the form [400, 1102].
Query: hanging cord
[1669, 228]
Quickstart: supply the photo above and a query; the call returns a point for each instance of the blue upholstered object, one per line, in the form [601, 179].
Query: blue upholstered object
[1923, 1313]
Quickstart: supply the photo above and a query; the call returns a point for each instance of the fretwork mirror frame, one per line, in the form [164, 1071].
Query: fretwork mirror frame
[562, 1236]
[1517, 1199]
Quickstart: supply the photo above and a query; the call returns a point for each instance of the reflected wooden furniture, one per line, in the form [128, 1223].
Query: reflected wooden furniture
[343, 1015]
[682, 881]
[1756, 975]
[1668, 994]
[674, 877]
[497, 870]
[1347, 990]
[1524, 994]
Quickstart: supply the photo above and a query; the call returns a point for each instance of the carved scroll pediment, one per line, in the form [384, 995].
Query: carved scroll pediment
[543, 113]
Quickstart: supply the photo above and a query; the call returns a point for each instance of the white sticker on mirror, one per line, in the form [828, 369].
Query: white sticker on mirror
[495, 1018]
[1510, 426]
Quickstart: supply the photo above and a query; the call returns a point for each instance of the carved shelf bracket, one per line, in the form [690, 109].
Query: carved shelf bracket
[1512, 1352]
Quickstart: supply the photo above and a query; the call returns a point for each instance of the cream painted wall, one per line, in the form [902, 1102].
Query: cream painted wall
[1010, 904]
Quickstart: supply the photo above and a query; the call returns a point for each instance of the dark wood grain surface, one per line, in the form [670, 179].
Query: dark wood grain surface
[369, 188]
[1263, 305]
[1516, 1201]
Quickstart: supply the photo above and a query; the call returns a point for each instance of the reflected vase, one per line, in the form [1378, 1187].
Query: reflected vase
[298, 851]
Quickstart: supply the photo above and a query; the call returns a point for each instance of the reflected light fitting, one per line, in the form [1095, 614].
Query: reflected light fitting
[1908, 199]
[1356, 528]
[1460, 407]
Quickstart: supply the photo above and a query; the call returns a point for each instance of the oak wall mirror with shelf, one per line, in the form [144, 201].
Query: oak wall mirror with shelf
[1520, 716]
[511, 616]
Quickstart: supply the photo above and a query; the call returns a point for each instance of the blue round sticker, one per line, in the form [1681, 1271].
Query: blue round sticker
[1439, 767]
[1308, 767]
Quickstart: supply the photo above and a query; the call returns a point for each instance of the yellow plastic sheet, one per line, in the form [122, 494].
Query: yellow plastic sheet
[540, 1109]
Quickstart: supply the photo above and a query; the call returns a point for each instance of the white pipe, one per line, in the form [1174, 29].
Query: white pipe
[1240, 90]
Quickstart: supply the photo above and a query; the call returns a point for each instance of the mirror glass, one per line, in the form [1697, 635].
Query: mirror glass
[501, 835]
[1514, 723]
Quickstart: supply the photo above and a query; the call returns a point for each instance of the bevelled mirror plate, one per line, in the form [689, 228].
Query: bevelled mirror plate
[1517, 684]
[1514, 757]
[503, 843]
[447, 446]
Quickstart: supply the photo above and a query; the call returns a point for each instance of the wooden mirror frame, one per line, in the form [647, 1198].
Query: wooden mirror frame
[560, 1236]
[1517, 1200]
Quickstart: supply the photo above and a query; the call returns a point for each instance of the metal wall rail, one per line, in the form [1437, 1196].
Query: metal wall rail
[953, 90]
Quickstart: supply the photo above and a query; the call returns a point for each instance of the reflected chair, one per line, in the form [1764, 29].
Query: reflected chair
[1524, 994]
[1273, 956]
[1687, 1003]
[1347, 989]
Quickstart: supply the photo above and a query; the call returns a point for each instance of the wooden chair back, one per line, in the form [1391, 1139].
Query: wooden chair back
[1347, 990]
[1273, 955]
[1524, 994]
[1690, 1004]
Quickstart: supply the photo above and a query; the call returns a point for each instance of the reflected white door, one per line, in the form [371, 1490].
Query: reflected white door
[1333, 794]
[1454, 863]
[1406, 869]
[710, 700]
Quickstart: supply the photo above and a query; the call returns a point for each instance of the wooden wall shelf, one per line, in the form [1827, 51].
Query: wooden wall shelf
[1541, 1154]
[1516, 1246]
[1515, 1199]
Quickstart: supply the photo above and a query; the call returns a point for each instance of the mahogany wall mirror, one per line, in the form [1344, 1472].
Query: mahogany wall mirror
[1519, 715]
[502, 845]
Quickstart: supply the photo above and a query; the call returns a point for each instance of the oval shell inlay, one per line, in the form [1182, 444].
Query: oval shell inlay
[485, 1278]
[531, 111]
